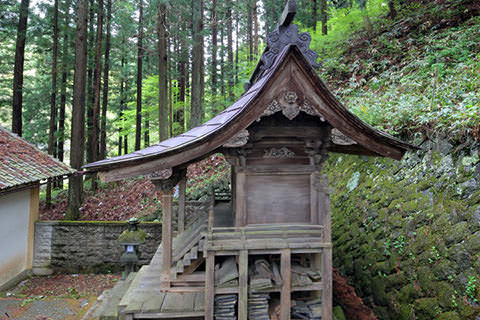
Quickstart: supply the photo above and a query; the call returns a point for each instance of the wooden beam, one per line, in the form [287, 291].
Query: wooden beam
[182, 195]
[243, 285]
[166, 237]
[285, 293]
[209, 285]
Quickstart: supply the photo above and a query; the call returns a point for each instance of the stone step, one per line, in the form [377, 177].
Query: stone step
[180, 266]
[129, 295]
[187, 260]
[110, 299]
[194, 253]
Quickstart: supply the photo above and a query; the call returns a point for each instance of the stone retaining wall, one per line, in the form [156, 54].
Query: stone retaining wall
[91, 246]
[86, 246]
[407, 233]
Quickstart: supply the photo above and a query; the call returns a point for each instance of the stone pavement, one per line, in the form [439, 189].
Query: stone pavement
[46, 309]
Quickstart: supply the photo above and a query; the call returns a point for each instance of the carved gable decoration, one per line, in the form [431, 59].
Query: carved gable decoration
[339, 138]
[239, 140]
[290, 106]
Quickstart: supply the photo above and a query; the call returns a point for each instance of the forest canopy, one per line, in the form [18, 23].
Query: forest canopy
[89, 79]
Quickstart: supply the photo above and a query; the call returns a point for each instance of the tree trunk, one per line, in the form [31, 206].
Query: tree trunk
[255, 28]
[323, 12]
[97, 83]
[18, 68]
[214, 50]
[392, 13]
[197, 53]
[122, 101]
[146, 129]
[138, 128]
[90, 95]
[162, 73]
[170, 104]
[229, 21]
[315, 15]
[125, 137]
[78, 112]
[63, 91]
[103, 129]
[182, 74]
[250, 29]
[237, 17]
[53, 98]
[222, 61]
[171, 68]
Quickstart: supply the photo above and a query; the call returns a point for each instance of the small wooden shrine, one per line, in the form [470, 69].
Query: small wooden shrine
[265, 251]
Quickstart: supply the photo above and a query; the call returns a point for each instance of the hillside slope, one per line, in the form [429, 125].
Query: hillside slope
[417, 77]
[407, 234]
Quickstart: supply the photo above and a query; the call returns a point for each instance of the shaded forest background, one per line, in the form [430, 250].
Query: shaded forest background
[102, 78]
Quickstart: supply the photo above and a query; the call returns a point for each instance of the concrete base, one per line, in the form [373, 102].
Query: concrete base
[41, 271]
[19, 277]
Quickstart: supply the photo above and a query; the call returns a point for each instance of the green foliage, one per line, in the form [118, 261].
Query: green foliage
[343, 22]
[411, 77]
[471, 289]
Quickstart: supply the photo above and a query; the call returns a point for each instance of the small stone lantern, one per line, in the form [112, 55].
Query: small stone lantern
[131, 239]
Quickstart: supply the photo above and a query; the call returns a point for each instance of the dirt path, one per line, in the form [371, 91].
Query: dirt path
[67, 297]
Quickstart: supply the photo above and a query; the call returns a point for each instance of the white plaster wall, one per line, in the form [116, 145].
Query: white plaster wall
[14, 220]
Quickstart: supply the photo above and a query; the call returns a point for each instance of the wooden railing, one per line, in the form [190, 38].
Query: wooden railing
[280, 236]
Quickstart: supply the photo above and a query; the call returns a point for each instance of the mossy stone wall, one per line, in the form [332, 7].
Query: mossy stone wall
[407, 233]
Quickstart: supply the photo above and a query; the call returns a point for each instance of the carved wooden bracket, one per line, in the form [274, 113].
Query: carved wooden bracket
[160, 174]
[339, 138]
[290, 107]
[239, 140]
[167, 184]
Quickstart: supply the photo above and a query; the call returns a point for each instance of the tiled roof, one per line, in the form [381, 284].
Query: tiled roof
[21, 163]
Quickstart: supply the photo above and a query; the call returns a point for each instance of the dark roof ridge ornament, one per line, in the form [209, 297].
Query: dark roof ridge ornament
[284, 34]
[288, 13]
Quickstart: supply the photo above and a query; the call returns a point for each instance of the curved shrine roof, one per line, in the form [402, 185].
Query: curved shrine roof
[211, 135]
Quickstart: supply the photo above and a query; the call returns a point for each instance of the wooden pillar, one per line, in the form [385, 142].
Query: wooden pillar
[240, 200]
[166, 237]
[327, 255]
[182, 196]
[209, 285]
[243, 285]
[314, 196]
[285, 294]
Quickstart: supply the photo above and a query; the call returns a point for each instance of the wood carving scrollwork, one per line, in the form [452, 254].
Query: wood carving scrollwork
[290, 108]
[281, 153]
[238, 140]
[160, 174]
[339, 138]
